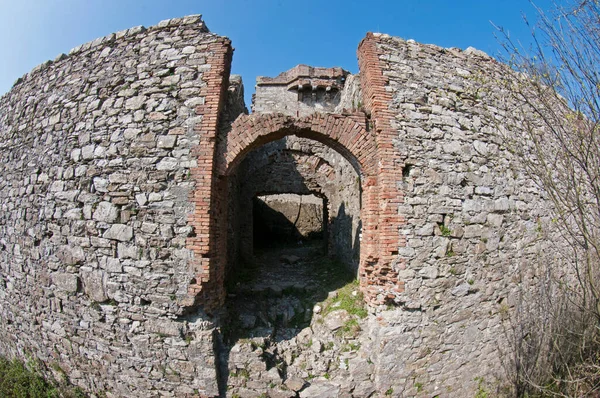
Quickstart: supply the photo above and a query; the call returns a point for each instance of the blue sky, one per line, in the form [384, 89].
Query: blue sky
[269, 36]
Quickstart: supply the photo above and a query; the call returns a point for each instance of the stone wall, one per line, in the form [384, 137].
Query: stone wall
[300, 91]
[119, 161]
[473, 219]
[290, 217]
[97, 149]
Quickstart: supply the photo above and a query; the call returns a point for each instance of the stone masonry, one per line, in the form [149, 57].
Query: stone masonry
[118, 228]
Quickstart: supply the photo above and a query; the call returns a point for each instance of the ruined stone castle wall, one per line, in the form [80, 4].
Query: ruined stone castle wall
[117, 168]
[472, 220]
[96, 151]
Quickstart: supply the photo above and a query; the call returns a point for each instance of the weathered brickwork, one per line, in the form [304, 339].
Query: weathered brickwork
[206, 243]
[117, 224]
[376, 101]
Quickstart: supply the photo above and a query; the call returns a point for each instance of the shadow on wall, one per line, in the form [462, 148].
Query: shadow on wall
[284, 222]
[342, 236]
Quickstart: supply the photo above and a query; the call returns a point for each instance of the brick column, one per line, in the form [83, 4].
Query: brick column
[209, 195]
[381, 277]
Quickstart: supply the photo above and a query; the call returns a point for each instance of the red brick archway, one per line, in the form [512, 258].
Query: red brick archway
[345, 134]
[348, 135]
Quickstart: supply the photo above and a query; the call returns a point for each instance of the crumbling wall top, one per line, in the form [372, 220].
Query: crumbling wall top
[303, 75]
[300, 91]
[191, 20]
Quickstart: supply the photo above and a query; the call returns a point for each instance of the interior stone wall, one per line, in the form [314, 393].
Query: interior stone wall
[291, 217]
[301, 166]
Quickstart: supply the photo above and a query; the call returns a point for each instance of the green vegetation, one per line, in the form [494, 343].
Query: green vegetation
[348, 298]
[242, 373]
[482, 392]
[419, 387]
[445, 230]
[351, 328]
[19, 380]
[351, 347]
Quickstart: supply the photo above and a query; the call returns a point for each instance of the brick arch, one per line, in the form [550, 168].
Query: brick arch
[344, 133]
[348, 135]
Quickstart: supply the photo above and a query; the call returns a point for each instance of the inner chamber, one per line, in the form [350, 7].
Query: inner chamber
[289, 219]
[294, 193]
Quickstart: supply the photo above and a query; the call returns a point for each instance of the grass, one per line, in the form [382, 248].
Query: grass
[18, 380]
[445, 230]
[482, 392]
[351, 328]
[348, 298]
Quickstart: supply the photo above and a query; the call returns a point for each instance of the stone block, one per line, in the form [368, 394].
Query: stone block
[320, 389]
[135, 103]
[66, 281]
[430, 272]
[119, 232]
[106, 212]
[94, 285]
[87, 152]
[165, 327]
[113, 265]
[167, 164]
[166, 141]
[495, 220]
[473, 231]
[128, 251]
[70, 255]
[502, 205]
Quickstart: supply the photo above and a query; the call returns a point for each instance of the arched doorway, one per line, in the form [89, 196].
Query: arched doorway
[345, 134]
[293, 226]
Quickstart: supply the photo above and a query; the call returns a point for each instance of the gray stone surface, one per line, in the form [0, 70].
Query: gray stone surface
[320, 389]
[66, 282]
[97, 148]
[119, 232]
[106, 212]
[96, 268]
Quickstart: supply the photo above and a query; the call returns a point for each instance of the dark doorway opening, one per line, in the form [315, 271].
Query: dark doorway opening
[293, 244]
[289, 219]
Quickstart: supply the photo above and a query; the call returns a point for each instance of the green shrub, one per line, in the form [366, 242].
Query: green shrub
[18, 380]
